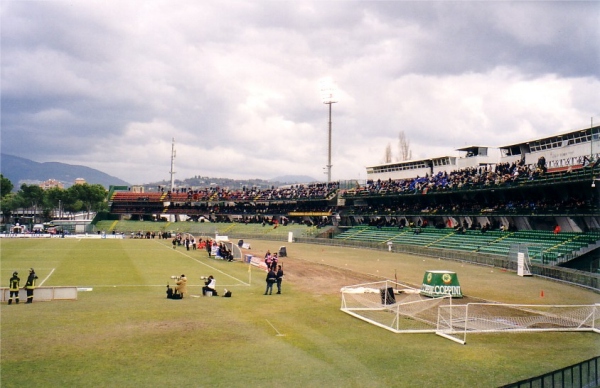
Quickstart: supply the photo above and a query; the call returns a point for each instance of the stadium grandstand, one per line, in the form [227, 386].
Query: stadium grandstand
[484, 202]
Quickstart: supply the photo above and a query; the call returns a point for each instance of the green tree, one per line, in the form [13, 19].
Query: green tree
[57, 199]
[6, 197]
[8, 204]
[6, 186]
[31, 197]
[92, 197]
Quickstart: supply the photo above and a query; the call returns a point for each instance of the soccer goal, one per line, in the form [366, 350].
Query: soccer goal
[455, 321]
[393, 306]
[403, 309]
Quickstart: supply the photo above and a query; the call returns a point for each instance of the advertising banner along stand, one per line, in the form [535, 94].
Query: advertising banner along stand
[441, 283]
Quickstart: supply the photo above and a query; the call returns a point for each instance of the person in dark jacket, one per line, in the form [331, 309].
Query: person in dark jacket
[271, 279]
[209, 286]
[30, 285]
[279, 278]
[13, 287]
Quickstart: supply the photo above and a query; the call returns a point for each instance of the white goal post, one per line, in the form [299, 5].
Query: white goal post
[402, 309]
[392, 306]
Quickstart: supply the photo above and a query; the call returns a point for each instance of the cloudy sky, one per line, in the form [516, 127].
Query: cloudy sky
[108, 84]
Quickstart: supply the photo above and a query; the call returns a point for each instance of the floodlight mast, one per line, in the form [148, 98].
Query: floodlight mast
[327, 96]
[592, 162]
[172, 165]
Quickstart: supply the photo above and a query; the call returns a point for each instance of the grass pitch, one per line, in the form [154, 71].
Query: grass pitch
[125, 333]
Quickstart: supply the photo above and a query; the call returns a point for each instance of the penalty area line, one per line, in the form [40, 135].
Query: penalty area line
[278, 333]
[46, 278]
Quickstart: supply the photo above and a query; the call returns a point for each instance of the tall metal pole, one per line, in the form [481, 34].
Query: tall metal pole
[329, 149]
[328, 98]
[591, 138]
[592, 151]
[172, 165]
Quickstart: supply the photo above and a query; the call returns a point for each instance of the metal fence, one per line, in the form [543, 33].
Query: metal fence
[582, 375]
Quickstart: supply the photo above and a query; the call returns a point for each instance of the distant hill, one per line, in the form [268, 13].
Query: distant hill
[233, 184]
[20, 170]
[293, 179]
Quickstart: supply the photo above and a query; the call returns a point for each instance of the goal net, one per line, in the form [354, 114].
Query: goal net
[454, 322]
[402, 309]
[393, 306]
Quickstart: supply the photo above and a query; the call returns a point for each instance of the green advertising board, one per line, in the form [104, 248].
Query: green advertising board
[441, 283]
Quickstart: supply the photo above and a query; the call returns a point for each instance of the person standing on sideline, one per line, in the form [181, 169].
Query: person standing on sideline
[208, 246]
[271, 279]
[30, 285]
[14, 283]
[279, 278]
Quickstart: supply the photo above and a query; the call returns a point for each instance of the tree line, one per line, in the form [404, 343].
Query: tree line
[34, 199]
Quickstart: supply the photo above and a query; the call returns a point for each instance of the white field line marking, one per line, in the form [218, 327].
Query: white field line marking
[157, 285]
[278, 333]
[211, 267]
[46, 278]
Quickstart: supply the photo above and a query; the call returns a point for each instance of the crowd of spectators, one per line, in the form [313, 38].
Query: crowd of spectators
[252, 203]
[292, 192]
[502, 174]
[572, 204]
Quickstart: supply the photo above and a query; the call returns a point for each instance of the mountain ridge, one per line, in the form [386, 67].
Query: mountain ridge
[21, 170]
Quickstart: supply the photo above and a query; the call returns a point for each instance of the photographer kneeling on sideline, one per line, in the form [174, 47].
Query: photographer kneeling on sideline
[209, 286]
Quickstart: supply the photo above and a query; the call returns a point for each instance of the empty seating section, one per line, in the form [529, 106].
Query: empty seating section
[544, 244]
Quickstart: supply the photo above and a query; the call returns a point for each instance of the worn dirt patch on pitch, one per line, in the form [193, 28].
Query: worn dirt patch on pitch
[321, 278]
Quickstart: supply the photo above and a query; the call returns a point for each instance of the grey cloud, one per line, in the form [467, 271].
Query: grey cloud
[236, 82]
